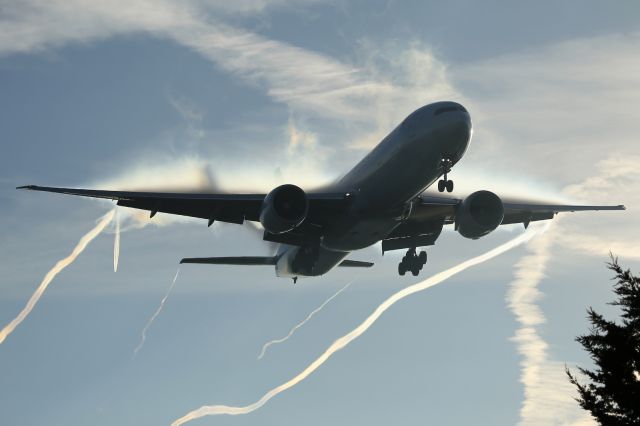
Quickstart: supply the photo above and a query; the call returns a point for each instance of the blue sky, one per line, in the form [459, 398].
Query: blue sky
[249, 94]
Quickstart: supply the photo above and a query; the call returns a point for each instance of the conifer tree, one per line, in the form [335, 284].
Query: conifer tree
[612, 394]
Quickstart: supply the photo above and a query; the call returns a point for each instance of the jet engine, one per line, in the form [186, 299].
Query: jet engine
[479, 214]
[283, 209]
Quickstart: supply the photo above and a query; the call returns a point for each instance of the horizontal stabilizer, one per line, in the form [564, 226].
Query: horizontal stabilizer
[240, 260]
[356, 264]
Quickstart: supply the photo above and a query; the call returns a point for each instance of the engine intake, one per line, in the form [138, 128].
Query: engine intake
[283, 209]
[479, 214]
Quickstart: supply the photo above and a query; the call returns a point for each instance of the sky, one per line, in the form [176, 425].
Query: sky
[246, 95]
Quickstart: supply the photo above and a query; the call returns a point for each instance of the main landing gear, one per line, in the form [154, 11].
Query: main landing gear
[445, 183]
[412, 262]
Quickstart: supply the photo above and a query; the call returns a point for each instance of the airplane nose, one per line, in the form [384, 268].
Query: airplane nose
[468, 126]
[455, 131]
[461, 129]
[445, 121]
[457, 122]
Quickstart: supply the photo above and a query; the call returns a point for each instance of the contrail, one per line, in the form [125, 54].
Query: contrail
[548, 395]
[143, 337]
[297, 326]
[355, 333]
[79, 248]
[116, 244]
[522, 297]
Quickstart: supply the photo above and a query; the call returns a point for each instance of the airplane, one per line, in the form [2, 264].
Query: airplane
[381, 199]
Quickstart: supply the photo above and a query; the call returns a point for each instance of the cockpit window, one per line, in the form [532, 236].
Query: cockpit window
[449, 108]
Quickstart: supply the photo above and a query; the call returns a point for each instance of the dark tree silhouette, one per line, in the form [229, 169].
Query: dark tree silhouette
[613, 393]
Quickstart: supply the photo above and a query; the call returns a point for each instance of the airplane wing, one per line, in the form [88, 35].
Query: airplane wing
[525, 213]
[514, 211]
[431, 212]
[232, 208]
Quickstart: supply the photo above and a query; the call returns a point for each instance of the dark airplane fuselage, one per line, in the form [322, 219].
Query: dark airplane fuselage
[404, 164]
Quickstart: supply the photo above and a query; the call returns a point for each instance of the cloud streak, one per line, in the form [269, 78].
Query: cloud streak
[616, 180]
[116, 243]
[292, 75]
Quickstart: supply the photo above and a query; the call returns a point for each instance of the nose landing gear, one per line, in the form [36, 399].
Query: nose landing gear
[412, 262]
[445, 183]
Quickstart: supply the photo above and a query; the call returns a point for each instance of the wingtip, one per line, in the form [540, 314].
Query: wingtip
[26, 187]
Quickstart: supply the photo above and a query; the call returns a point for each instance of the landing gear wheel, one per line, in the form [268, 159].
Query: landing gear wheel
[445, 183]
[415, 270]
[412, 262]
[402, 269]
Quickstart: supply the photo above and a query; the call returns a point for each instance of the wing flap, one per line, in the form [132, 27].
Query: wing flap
[556, 208]
[355, 264]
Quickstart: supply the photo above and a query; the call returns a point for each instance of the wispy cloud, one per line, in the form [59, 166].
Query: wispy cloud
[564, 116]
[300, 139]
[615, 180]
[554, 110]
[289, 74]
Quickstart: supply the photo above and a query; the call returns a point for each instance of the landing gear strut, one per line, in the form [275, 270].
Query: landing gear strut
[412, 262]
[445, 183]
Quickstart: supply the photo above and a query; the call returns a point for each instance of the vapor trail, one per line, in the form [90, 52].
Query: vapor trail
[522, 300]
[548, 395]
[116, 244]
[143, 336]
[79, 248]
[303, 322]
[355, 333]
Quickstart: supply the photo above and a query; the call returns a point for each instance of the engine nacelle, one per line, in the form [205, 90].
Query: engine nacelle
[283, 209]
[479, 214]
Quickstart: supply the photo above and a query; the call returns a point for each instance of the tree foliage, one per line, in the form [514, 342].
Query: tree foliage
[612, 394]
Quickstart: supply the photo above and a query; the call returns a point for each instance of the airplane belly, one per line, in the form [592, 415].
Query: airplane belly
[355, 235]
[308, 262]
